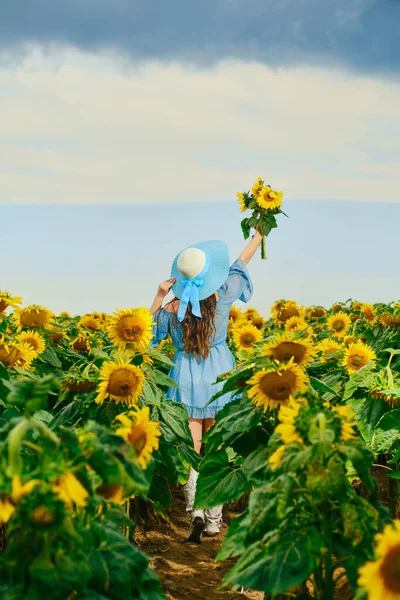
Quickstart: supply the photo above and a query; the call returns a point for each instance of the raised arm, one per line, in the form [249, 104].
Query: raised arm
[249, 251]
[162, 291]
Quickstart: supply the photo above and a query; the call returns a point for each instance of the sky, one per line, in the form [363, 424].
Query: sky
[127, 127]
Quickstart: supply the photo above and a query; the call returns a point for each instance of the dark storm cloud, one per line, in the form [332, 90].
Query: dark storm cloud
[362, 34]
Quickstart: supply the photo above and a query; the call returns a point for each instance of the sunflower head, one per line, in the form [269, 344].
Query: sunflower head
[270, 388]
[7, 300]
[121, 382]
[357, 355]
[313, 313]
[33, 338]
[285, 348]
[381, 577]
[254, 316]
[242, 201]
[82, 343]
[89, 322]
[328, 347]
[356, 305]
[235, 314]
[257, 186]
[140, 432]
[295, 325]
[369, 313]
[33, 317]
[132, 326]
[337, 307]
[245, 336]
[282, 312]
[9, 354]
[268, 198]
[339, 323]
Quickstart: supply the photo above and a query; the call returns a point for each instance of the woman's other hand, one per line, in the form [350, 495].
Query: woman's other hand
[165, 287]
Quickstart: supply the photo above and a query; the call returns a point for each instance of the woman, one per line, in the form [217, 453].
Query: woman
[205, 288]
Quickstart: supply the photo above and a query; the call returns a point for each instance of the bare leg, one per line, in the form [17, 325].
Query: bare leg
[196, 429]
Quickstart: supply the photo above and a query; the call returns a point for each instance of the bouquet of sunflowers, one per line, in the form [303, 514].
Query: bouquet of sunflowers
[265, 204]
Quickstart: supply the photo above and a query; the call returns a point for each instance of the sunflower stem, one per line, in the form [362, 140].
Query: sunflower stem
[263, 249]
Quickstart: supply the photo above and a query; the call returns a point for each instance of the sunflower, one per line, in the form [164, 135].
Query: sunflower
[337, 307]
[90, 322]
[287, 428]
[36, 341]
[81, 343]
[26, 356]
[381, 577]
[254, 316]
[9, 354]
[33, 317]
[283, 311]
[349, 339]
[276, 457]
[6, 510]
[347, 417]
[356, 356]
[256, 189]
[273, 387]
[141, 433]
[328, 347]
[19, 489]
[389, 320]
[235, 314]
[315, 312]
[6, 300]
[64, 314]
[339, 323]
[245, 336]
[284, 348]
[131, 326]
[113, 493]
[296, 324]
[241, 201]
[369, 313]
[268, 198]
[70, 490]
[356, 305]
[121, 381]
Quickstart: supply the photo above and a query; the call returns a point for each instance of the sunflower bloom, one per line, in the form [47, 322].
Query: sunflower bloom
[328, 347]
[287, 428]
[296, 324]
[140, 432]
[347, 417]
[6, 300]
[81, 343]
[268, 198]
[276, 457]
[339, 324]
[284, 348]
[369, 313]
[70, 490]
[245, 336]
[20, 489]
[256, 189]
[282, 311]
[242, 203]
[315, 312]
[9, 354]
[356, 356]
[381, 577]
[33, 317]
[235, 314]
[120, 381]
[272, 388]
[113, 493]
[132, 326]
[90, 322]
[36, 341]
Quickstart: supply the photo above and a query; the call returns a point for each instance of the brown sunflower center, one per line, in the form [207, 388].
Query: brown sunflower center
[33, 318]
[32, 343]
[121, 383]
[286, 350]
[247, 340]
[137, 438]
[81, 345]
[286, 313]
[357, 360]
[317, 313]
[129, 330]
[338, 325]
[368, 314]
[91, 324]
[41, 514]
[390, 570]
[3, 305]
[278, 386]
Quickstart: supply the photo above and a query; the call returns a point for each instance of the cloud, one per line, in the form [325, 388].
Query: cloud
[362, 34]
[83, 128]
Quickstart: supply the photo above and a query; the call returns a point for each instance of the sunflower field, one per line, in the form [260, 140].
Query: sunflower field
[310, 443]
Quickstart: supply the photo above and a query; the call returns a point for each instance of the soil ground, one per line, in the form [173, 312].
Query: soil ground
[187, 571]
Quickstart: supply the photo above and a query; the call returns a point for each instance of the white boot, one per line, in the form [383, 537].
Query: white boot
[213, 520]
[197, 519]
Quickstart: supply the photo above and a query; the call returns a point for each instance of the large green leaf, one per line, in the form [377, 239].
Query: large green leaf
[174, 417]
[320, 386]
[219, 482]
[387, 432]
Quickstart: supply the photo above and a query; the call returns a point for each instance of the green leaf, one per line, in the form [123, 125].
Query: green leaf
[218, 482]
[159, 356]
[163, 379]
[320, 386]
[67, 415]
[49, 356]
[387, 432]
[363, 378]
[174, 417]
[159, 491]
[245, 228]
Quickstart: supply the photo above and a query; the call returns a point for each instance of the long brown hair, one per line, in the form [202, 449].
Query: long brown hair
[198, 333]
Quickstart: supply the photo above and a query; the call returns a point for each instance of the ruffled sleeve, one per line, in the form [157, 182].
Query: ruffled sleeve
[161, 321]
[238, 286]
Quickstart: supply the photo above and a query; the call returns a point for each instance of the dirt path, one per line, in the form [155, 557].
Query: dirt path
[187, 571]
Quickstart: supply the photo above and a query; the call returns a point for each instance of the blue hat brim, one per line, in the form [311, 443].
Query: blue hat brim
[217, 274]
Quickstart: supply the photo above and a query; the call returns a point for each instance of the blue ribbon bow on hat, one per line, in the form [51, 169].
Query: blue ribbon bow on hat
[191, 294]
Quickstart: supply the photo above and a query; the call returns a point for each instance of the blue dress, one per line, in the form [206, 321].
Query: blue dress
[195, 375]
